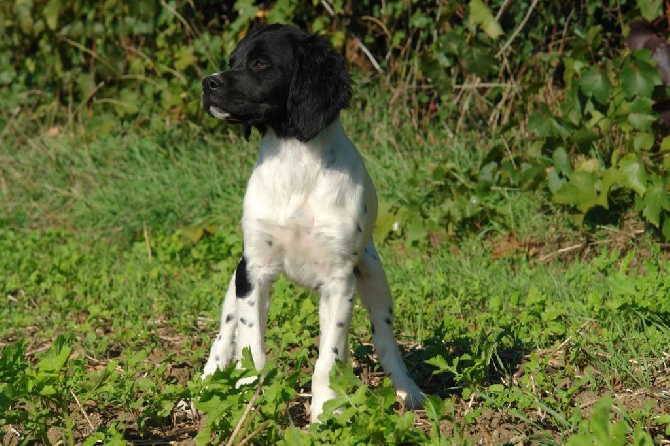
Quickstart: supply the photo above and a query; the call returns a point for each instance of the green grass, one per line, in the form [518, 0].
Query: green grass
[117, 248]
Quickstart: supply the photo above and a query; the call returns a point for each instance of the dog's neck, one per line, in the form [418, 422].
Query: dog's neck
[319, 146]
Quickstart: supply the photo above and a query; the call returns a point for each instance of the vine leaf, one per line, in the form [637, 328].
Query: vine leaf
[51, 11]
[654, 201]
[639, 79]
[481, 15]
[595, 84]
[632, 173]
[582, 191]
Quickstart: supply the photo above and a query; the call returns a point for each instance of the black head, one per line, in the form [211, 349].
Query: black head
[282, 78]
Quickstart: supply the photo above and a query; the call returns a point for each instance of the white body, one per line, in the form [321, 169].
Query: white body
[309, 212]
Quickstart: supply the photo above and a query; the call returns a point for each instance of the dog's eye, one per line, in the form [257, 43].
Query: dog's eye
[258, 65]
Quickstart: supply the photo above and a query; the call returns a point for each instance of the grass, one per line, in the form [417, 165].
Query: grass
[118, 245]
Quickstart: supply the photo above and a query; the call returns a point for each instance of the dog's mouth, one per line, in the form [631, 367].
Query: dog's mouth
[218, 113]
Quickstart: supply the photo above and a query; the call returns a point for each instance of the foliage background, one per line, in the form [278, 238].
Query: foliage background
[573, 111]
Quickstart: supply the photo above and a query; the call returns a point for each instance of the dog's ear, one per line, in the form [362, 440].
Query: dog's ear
[320, 88]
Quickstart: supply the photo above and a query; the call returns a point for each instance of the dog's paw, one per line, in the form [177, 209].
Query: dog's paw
[245, 381]
[185, 408]
[412, 396]
[318, 400]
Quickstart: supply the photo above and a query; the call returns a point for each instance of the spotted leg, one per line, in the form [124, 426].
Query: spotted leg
[375, 294]
[243, 320]
[223, 348]
[335, 318]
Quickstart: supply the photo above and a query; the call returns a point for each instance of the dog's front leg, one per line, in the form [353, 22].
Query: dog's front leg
[223, 347]
[243, 319]
[335, 318]
[252, 291]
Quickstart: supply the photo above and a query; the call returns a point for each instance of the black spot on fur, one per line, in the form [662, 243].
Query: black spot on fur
[388, 320]
[391, 311]
[373, 328]
[242, 284]
[330, 158]
[269, 242]
[365, 208]
[340, 324]
[318, 286]
[217, 358]
[357, 271]
[358, 228]
[355, 253]
[251, 303]
[243, 321]
[335, 350]
[230, 317]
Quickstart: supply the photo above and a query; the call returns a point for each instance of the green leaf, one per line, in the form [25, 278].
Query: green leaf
[477, 59]
[595, 84]
[666, 226]
[7, 75]
[57, 356]
[581, 191]
[496, 388]
[544, 125]
[184, 58]
[639, 79]
[650, 9]
[632, 173]
[641, 121]
[440, 363]
[562, 161]
[610, 176]
[554, 181]
[643, 142]
[665, 144]
[655, 200]
[481, 15]
[51, 11]
[584, 138]
[435, 407]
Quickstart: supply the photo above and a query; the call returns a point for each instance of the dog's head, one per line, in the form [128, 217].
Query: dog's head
[282, 78]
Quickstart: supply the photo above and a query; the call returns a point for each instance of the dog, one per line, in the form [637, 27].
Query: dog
[309, 208]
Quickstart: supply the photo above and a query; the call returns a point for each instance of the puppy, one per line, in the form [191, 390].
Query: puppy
[310, 205]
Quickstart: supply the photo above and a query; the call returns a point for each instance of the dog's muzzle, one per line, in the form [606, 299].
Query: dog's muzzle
[209, 85]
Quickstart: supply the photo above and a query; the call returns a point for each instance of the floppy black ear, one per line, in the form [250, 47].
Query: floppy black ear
[320, 88]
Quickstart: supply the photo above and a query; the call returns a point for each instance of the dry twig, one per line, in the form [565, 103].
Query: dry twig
[243, 418]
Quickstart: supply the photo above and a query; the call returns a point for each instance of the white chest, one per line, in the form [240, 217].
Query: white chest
[309, 207]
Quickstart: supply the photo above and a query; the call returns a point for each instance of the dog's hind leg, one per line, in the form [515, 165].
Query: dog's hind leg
[223, 348]
[373, 289]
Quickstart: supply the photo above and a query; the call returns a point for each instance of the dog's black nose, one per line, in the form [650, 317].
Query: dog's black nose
[212, 82]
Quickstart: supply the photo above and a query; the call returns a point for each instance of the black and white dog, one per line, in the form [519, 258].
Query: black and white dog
[310, 205]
